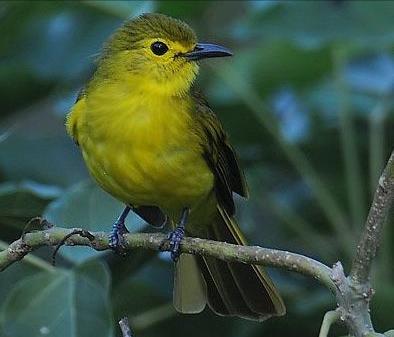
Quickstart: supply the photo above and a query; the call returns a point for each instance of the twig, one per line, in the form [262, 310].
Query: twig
[329, 318]
[354, 293]
[125, 327]
[221, 250]
[370, 239]
[353, 302]
[33, 260]
[36, 223]
[81, 232]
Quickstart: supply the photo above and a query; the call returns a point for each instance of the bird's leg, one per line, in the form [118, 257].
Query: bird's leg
[118, 229]
[175, 237]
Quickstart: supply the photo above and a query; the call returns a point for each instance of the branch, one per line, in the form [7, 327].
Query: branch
[221, 250]
[125, 327]
[370, 240]
[329, 318]
[354, 293]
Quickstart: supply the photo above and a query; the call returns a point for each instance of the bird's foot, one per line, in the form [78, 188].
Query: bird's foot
[174, 239]
[116, 241]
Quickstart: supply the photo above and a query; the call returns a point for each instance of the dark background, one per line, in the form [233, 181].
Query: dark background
[308, 103]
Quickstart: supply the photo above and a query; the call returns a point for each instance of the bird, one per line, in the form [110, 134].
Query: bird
[150, 139]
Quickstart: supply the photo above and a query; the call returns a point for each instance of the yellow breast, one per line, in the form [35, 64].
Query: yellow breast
[142, 150]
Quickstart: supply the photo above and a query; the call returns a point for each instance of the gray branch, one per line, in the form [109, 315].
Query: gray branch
[370, 239]
[125, 327]
[354, 293]
[221, 250]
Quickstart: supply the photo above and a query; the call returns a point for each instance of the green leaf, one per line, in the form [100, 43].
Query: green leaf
[71, 303]
[86, 205]
[21, 201]
[142, 298]
[14, 274]
[37, 148]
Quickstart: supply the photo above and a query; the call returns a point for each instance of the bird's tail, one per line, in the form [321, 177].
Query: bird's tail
[230, 289]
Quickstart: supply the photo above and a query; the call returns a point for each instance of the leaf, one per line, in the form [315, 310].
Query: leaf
[141, 297]
[72, 303]
[14, 274]
[157, 275]
[86, 205]
[123, 268]
[38, 149]
[21, 201]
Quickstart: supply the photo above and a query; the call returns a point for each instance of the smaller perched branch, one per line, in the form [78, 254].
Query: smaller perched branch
[34, 224]
[329, 318]
[370, 239]
[83, 233]
[221, 250]
[125, 327]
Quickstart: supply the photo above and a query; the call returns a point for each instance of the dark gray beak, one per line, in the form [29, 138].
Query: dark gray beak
[206, 50]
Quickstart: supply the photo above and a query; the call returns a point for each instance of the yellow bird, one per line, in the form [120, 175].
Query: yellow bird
[152, 142]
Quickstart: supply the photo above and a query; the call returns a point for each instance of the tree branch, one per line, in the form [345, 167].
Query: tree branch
[354, 293]
[125, 327]
[221, 250]
[370, 239]
[329, 318]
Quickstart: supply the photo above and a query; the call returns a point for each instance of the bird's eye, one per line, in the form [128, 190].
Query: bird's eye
[158, 48]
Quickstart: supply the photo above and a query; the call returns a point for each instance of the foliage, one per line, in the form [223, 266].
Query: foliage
[308, 102]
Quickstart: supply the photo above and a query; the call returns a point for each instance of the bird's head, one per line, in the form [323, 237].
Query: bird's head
[157, 53]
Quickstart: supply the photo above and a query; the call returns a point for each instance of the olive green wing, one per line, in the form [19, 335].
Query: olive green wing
[220, 156]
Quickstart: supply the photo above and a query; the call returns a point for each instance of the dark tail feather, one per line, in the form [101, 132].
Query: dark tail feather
[237, 289]
[230, 289]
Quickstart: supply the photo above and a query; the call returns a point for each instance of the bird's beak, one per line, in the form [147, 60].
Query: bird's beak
[205, 50]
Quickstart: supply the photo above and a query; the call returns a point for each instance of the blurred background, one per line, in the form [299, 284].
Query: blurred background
[308, 103]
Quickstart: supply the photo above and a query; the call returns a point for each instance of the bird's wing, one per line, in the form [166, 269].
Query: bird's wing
[220, 156]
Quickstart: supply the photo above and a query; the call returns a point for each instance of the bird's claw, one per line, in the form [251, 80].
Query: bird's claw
[116, 241]
[174, 240]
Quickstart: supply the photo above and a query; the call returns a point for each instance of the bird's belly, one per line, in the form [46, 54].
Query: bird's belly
[166, 170]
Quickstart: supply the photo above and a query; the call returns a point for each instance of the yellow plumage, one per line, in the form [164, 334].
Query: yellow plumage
[143, 152]
[149, 140]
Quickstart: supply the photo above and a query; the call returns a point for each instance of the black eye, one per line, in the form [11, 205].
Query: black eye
[159, 48]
